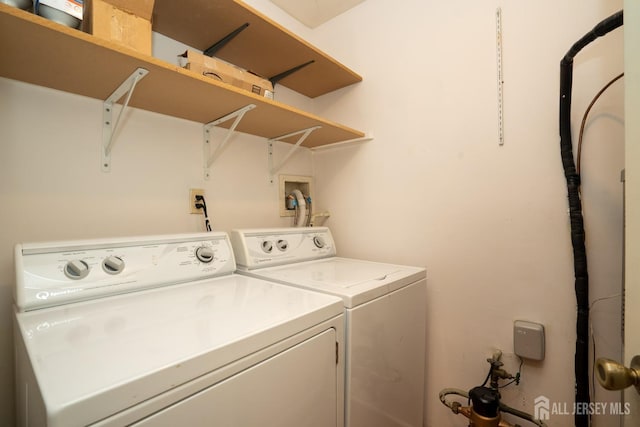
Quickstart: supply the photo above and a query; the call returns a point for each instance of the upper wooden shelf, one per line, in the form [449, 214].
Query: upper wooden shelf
[42, 52]
[264, 47]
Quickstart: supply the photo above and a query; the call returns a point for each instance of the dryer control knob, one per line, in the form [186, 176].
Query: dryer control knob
[113, 264]
[205, 254]
[319, 241]
[76, 269]
[267, 246]
[282, 245]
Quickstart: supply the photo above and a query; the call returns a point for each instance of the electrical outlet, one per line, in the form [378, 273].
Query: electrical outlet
[193, 192]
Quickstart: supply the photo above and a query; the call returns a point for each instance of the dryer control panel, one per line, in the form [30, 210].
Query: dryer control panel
[63, 272]
[264, 247]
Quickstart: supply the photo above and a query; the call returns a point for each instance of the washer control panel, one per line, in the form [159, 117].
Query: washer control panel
[255, 248]
[63, 272]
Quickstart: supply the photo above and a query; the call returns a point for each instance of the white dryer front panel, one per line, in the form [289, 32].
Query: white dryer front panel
[386, 360]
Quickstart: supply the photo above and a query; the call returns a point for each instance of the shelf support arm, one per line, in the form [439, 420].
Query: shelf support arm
[108, 126]
[304, 133]
[275, 79]
[209, 159]
[366, 138]
[213, 49]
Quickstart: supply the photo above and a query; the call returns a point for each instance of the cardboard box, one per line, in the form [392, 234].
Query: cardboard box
[225, 72]
[125, 22]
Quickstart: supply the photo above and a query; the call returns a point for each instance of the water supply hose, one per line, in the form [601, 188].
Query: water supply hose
[575, 214]
[301, 211]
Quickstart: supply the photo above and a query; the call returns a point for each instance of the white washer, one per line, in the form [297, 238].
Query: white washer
[385, 308]
[158, 331]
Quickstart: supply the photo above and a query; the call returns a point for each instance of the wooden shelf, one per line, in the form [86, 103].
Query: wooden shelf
[42, 52]
[264, 47]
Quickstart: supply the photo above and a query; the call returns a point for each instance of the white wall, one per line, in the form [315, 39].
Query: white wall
[435, 189]
[432, 189]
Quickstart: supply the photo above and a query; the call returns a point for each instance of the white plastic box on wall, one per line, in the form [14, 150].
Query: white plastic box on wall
[528, 340]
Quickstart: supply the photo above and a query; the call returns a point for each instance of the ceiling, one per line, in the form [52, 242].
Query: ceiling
[313, 13]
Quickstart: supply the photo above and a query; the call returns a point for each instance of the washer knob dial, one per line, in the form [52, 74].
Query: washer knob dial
[282, 245]
[76, 269]
[267, 246]
[113, 264]
[319, 242]
[205, 254]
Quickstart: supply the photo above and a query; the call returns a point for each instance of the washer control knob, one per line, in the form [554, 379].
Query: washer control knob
[282, 245]
[205, 254]
[319, 242]
[113, 264]
[76, 269]
[267, 246]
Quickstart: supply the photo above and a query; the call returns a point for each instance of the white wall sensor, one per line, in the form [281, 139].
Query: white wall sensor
[528, 340]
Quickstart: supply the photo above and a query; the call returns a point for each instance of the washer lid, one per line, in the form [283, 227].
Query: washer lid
[95, 358]
[355, 281]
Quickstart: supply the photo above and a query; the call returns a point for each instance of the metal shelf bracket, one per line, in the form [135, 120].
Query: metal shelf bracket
[209, 158]
[108, 126]
[303, 135]
[366, 138]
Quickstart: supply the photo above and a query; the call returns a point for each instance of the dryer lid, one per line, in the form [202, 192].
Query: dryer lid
[355, 281]
[95, 358]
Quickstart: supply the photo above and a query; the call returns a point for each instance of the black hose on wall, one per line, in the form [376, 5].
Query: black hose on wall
[576, 218]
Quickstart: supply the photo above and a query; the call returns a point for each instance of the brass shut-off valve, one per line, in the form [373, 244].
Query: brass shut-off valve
[496, 372]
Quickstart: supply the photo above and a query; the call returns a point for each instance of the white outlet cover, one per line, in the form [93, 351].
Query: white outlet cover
[313, 13]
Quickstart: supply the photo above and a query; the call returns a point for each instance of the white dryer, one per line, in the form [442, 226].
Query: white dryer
[158, 331]
[385, 308]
